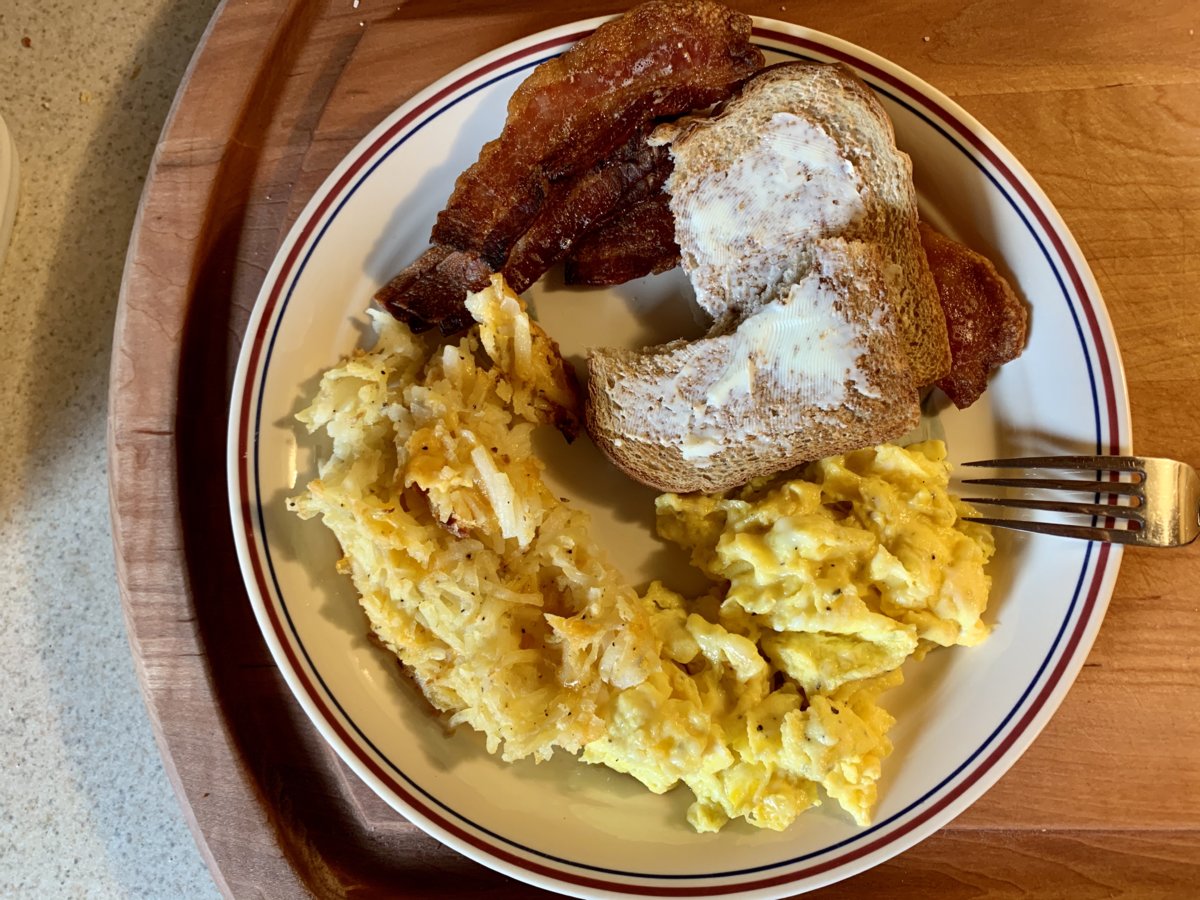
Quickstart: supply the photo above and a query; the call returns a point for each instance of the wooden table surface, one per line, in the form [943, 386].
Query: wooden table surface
[1101, 102]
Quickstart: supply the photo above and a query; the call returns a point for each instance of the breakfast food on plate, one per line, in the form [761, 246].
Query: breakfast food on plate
[660, 59]
[985, 319]
[797, 222]
[572, 178]
[794, 215]
[760, 695]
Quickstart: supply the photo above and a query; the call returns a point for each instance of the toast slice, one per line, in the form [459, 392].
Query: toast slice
[742, 219]
[796, 219]
[821, 369]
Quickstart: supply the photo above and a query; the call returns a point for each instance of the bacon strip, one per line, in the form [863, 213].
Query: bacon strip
[639, 241]
[436, 285]
[660, 59]
[635, 172]
[985, 319]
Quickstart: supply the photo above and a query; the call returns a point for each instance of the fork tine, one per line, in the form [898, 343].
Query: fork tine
[1114, 535]
[1097, 463]
[1082, 509]
[1053, 484]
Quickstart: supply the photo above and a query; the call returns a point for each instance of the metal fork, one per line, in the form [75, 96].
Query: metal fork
[1164, 508]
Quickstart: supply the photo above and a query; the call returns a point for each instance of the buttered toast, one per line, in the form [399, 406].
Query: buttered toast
[820, 369]
[796, 220]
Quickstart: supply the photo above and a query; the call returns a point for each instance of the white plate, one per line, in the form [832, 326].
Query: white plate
[964, 715]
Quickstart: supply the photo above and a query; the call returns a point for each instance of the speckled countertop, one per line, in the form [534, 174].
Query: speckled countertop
[85, 806]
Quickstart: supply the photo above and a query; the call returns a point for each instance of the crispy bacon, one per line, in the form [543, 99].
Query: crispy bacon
[636, 172]
[660, 59]
[985, 319]
[436, 284]
[639, 241]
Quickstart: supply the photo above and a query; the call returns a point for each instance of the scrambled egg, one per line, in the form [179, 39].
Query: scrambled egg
[760, 696]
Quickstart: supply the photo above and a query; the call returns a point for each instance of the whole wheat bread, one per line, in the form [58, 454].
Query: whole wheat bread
[792, 200]
[650, 411]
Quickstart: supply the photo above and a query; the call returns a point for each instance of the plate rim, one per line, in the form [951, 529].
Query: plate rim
[1103, 569]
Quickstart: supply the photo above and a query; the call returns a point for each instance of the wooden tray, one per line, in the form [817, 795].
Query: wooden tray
[1103, 112]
